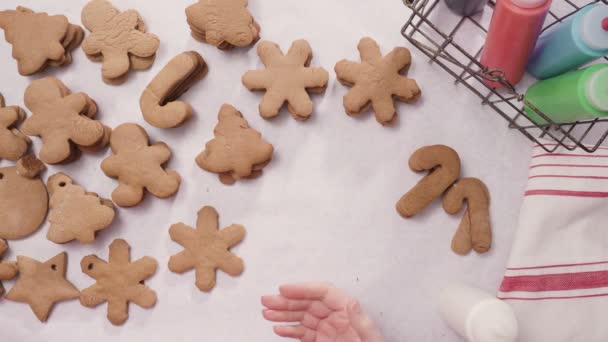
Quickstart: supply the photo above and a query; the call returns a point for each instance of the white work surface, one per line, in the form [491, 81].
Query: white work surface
[324, 208]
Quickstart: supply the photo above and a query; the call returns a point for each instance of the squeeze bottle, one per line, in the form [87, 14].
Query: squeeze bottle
[577, 95]
[513, 32]
[578, 40]
[466, 7]
[478, 316]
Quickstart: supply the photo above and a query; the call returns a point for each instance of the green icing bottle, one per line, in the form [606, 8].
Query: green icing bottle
[576, 95]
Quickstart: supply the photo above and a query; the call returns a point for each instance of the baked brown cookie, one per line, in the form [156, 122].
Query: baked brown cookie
[115, 36]
[13, 143]
[206, 248]
[74, 213]
[23, 200]
[42, 284]
[237, 151]
[377, 80]
[287, 78]
[138, 165]
[443, 166]
[474, 231]
[8, 270]
[223, 23]
[158, 101]
[60, 119]
[39, 40]
[119, 281]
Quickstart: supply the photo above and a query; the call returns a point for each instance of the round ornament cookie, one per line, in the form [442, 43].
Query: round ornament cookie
[23, 204]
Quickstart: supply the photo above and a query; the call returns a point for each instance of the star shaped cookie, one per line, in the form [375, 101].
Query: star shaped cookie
[206, 248]
[377, 80]
[119, 281]
[42, 284]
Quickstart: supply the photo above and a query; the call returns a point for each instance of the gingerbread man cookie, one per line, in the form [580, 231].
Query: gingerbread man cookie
[60, 119]
[38, 39]
[8, 270]
[13, 143]
[119, 281]
[138, 166]
[377, 80]
[223, 23]
[116, 36]
[237, 151]
[286, 79]
[74, 213]
[206, 248]
[42, 284]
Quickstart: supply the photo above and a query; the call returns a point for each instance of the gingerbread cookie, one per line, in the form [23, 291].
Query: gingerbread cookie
[13, 143]
[42, 285]
[237, 151]
[286, 79]
[119, 281]
[115, 36]
[206, 248]
[377, 80]
[223, 23]
[8, 270]
[74, 213]
[60, 119]
[443, 165]
[138, 166]
[23, 201]
[158, 103]
[474, 231]
[39, 40]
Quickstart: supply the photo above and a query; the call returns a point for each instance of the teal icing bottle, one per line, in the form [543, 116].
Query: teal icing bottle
[577, 95]
[578, 40]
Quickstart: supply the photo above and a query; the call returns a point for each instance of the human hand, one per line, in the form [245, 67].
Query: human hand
[321, 313]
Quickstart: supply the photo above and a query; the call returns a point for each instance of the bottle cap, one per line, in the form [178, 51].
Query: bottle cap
[477, 315]
[529, 3]
[597, 90]
[593, 27]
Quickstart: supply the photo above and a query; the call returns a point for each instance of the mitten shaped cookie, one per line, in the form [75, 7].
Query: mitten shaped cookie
[42, 284]
[206, 248]
[377, 80]
[443, 165]
[158, 101]
[223, 23]
[237, 151]
[474, 231]
[60, 119]
[74, 213]
[119, 281]
[138, 165]
[8, 270]
[13, 143]
[23, 199]
[286, 79]
[115, 36]
[38, 39]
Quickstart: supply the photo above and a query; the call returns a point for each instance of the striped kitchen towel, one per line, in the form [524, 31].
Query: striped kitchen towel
[557, 274]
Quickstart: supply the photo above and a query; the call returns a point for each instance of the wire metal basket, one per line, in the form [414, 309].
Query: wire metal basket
[428, 31]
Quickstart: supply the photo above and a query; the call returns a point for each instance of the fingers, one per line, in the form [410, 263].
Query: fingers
[282, 303]
[313, 291]
[283, 316]
[363, 325]
[296, 331]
